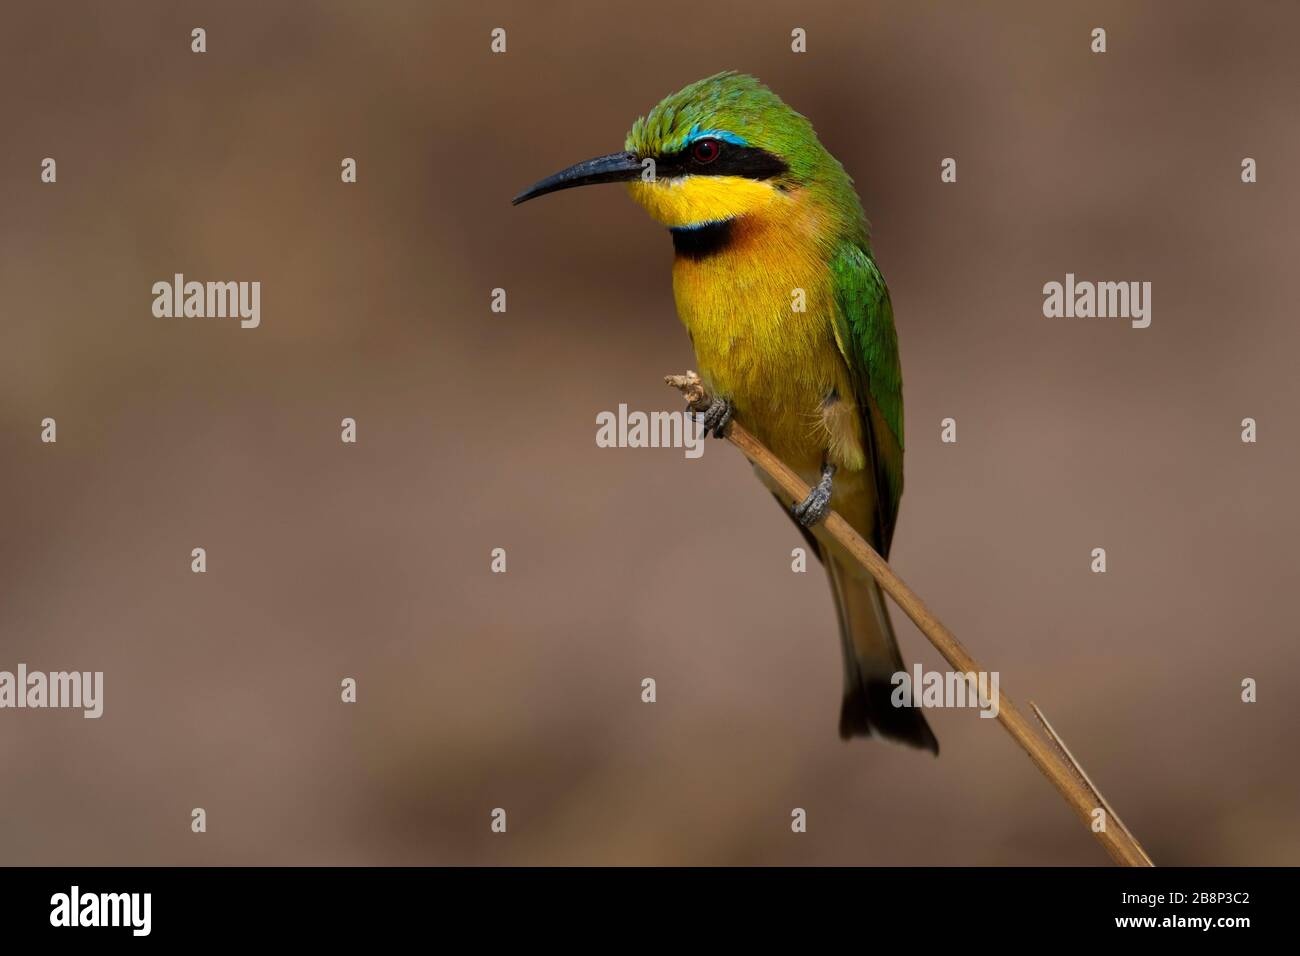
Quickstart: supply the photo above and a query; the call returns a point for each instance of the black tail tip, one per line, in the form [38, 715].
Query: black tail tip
[868, 711]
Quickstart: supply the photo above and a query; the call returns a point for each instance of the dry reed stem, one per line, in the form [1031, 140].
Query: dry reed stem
[1075, 787]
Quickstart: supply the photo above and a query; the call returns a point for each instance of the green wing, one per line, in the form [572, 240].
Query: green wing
[864, 332]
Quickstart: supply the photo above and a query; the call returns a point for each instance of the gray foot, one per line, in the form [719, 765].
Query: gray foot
[717, 417]
[817, 505]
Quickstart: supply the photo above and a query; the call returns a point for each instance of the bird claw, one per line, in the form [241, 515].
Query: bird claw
[817, 505]
[717, 416]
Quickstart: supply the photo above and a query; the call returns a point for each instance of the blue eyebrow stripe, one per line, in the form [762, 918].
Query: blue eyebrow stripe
[722, 134]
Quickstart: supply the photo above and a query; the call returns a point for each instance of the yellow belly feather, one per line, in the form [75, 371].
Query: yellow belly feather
[778, 365]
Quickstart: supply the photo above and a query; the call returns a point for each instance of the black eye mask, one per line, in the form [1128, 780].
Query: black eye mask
[750, 162]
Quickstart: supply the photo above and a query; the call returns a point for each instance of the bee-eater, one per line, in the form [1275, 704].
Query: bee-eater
[776, 283]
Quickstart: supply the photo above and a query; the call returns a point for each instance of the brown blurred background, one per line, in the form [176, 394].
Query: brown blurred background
[476, 431]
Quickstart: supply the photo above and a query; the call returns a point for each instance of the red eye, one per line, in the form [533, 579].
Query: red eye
[706, 150]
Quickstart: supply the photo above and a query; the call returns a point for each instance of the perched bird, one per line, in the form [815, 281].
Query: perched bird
[793, 331]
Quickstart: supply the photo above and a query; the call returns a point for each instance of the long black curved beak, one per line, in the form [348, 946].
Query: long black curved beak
[614, 168]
